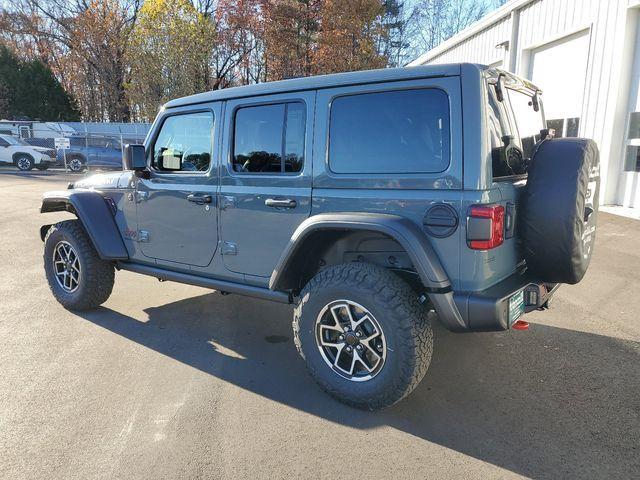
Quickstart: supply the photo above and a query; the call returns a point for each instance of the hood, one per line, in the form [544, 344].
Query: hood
[100, 181]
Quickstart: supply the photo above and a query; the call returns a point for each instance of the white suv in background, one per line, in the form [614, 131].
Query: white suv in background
[25, 156]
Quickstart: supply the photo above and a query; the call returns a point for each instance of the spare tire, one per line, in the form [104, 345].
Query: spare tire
[558, 220]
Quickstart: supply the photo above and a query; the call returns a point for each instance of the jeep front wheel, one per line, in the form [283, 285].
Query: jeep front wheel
[78, 278]
[364, 335]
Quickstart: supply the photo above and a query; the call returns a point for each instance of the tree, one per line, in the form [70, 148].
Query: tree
[291, 30]
[83, 42]
[169, 54]
[348, 33]
[121, 59]
[238, 54]
[400, 27]
[441, 19]
[29, 89]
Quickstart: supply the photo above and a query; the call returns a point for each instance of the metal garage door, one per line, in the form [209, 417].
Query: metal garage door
[559, 69]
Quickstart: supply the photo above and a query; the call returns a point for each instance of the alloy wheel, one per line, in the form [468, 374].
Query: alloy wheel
[66, 266]
[350, 340]
[75, 165]
[23, 163]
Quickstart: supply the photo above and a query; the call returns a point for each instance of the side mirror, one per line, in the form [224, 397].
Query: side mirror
[134, 158]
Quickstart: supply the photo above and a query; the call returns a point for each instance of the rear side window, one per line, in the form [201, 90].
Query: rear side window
[529, 122]
[269, 138]
[401, 131]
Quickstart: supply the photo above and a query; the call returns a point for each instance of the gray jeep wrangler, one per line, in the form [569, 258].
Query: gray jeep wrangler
[367, 200]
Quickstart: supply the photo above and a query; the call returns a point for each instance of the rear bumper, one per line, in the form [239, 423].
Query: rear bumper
[488, 310]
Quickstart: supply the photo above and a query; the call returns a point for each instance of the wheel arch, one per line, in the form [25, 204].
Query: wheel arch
[79, 155]
[17, 155]
[334, 236]
[95, 216]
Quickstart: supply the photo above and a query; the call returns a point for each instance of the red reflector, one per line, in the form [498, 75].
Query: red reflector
[520, 325]
[494, 214]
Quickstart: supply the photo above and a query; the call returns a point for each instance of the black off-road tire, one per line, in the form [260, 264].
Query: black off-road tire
[558, 220]
[403, 319]
[24, 162]
[97, 275]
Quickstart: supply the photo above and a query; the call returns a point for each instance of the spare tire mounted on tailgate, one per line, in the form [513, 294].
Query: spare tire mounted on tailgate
[560, 209]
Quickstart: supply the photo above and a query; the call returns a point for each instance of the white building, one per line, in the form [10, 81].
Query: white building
[585, 56]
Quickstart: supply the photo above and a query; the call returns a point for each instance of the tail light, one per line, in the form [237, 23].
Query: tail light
[485, 227]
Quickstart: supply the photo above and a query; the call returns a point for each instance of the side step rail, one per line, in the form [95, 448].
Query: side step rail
[214, 284]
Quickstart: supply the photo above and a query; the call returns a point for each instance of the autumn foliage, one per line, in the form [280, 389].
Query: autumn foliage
[122, 59]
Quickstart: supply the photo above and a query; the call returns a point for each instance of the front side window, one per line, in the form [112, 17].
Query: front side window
[184, 143]
[269, 138]
[97, 142]
[402, 131]
[113, 143]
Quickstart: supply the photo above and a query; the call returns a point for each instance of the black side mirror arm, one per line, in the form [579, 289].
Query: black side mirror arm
[144, 174]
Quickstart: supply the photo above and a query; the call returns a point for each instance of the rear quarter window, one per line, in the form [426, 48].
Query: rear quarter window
[392, 132]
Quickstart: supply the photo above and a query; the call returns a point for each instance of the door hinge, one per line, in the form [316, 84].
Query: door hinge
[229, 248]
[143, 236]
[142, 196]
[227, 201]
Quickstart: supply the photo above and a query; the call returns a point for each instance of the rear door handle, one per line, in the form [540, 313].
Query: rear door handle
[280, 203]
[199, 199]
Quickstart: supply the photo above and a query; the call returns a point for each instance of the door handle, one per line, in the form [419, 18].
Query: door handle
[199, 199]
[280, 203]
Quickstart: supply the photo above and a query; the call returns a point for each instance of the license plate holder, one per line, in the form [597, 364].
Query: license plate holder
[516, 306]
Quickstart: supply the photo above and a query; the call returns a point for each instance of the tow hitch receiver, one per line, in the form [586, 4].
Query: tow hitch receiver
[536, 296]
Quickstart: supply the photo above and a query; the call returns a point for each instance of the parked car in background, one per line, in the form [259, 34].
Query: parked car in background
[99, 152]
[33, 132]
[24, 156]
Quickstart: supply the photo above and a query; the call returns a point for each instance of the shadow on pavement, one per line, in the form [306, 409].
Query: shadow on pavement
[57, 175]
[548, 403]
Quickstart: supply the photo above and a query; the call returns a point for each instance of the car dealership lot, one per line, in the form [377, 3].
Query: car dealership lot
[173, 381]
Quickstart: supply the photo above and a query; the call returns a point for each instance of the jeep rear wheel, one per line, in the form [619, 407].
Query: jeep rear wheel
[364, 335]
[77, 277]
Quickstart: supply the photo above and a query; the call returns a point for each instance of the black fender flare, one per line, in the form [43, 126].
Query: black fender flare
[406, 233]
[409, 235]
[95, 215]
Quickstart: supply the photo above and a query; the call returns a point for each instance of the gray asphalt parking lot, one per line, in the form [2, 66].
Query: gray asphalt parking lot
[172, 381]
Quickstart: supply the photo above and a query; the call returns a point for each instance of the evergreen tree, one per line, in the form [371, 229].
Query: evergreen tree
[29, 89]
